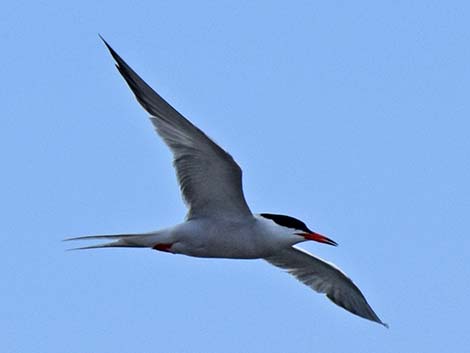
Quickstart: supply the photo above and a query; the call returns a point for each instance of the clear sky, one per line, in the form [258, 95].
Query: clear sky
[352, 116]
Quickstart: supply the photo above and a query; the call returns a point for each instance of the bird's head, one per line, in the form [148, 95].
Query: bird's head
[297, 228]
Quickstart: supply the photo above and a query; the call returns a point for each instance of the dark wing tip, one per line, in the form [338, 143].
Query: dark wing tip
[107, 45]
[363, 309]
[119, 60]
[146, 96]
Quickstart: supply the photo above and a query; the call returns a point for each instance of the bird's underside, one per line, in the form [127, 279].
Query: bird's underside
[219, 222]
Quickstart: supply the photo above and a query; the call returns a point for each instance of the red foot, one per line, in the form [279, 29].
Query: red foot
[163, 247]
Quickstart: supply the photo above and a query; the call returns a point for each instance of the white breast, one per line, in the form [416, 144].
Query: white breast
[248, 238]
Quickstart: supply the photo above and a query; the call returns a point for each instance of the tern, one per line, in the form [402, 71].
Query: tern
[219, 223]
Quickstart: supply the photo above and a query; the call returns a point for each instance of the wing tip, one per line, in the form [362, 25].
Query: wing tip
[373, 317]
[105, 43]
[120, 62]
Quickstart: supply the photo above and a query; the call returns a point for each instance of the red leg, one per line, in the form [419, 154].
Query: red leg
[163, 247]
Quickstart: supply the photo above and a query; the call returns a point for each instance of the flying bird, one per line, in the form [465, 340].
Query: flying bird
[219, 223]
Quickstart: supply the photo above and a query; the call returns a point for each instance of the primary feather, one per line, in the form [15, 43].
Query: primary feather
[326, 278]
[197, 158]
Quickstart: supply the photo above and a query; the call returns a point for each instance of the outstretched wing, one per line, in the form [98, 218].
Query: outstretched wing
[210, 180]
[326, 278]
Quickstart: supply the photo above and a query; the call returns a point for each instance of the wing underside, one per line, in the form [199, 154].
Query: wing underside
[210, 180]
[326, 278]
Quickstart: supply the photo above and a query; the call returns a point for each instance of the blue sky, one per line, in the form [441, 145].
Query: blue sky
[353, 117]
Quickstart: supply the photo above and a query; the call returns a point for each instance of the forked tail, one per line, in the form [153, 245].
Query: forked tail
[141, 240]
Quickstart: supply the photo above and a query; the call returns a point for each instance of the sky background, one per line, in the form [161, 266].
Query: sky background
[352, 116]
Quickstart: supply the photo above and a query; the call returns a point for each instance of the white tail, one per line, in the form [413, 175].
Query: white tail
[141, 240]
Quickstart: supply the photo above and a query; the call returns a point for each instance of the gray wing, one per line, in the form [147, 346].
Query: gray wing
[326, 278]
[210, 180]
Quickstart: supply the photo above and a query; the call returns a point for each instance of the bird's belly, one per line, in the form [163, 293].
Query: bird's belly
[224, 239]
[223, 247]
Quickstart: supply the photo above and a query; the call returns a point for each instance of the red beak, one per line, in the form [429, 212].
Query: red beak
[318, 237]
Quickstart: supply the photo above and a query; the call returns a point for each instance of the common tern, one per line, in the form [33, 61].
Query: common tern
[219, 223]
